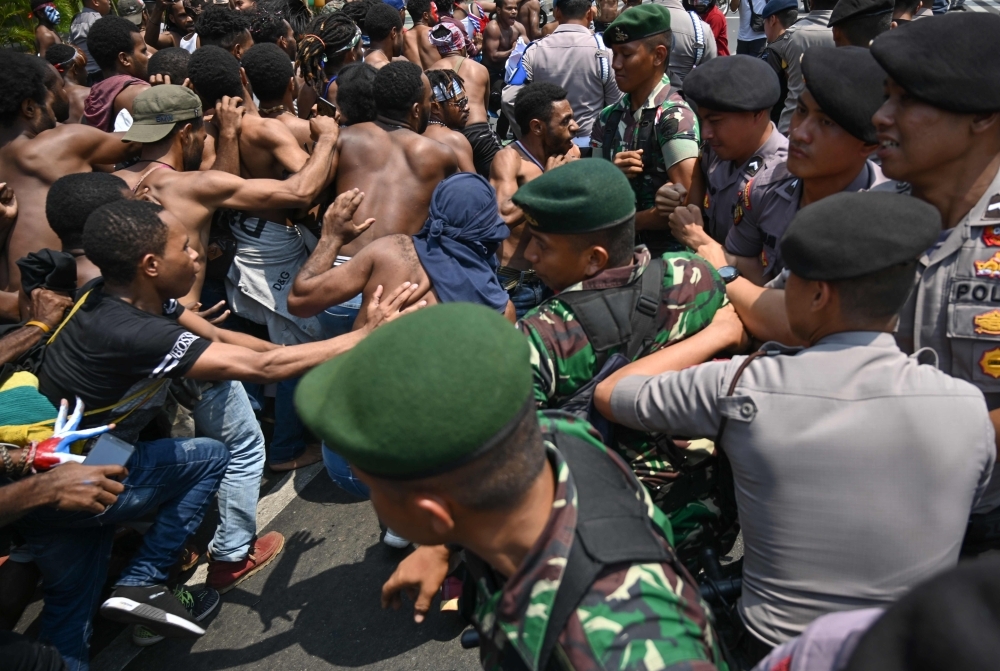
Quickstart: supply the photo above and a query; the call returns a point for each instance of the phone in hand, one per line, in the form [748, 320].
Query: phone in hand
[325, 107]
[109, 451]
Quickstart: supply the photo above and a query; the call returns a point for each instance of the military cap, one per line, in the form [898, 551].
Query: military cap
[952, 62]
[579, 197]
[422, 395]
[158, 108]
[853, 9]
[849, 84]
[853, 234]
[637, 23]
[739, 83]
[774, 6]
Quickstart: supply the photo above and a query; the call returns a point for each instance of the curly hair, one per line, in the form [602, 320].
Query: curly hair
[72, 198]
[266, 25]
[535, 101]
[108, 37]
[117, 236]
[417, 8]
[397, 87]
[268, 70]
[221, 27]
[215, 73]
[171, 61]
[354, 93]
[358, 10]
[380, 20]
[327, 41]
[21, 77]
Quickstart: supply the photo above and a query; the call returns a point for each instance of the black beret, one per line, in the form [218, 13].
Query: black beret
[952, 62]
[851, 9]
[774, 6]
[736, 84]
[853, 234]
[848, 85]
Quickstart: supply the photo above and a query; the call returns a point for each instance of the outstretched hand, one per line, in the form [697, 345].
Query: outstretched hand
[393, 307]
[338, 222]
[420, 576]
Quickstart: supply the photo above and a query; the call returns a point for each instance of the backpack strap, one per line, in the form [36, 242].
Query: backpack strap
[611, 132]
[699, 36]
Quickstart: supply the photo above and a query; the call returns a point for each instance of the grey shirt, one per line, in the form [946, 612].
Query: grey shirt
[809, 31]
[725, 180]
[683, 51]
[856, 469]
[78, 31]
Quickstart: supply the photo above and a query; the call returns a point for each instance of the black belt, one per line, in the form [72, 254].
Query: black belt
[511, 278]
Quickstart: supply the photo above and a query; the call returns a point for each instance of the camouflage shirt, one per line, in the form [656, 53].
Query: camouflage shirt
[635, 617]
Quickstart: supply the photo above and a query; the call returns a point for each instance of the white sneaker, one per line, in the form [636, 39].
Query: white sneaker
[394, 540]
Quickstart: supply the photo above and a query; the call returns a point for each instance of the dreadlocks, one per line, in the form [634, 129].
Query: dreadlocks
[444, 79]
[327, 40]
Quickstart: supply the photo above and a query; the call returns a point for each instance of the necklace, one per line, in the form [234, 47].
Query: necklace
[528, 154]
[153, 160]
[270, 110]
[437, 123]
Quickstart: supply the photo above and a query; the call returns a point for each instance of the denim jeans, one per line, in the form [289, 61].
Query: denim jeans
[342, 475]
[177, 477]
[339, 319]
[289, 439]
[224, 413]
[528, 295]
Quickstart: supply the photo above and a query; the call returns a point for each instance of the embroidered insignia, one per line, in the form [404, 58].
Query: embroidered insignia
[988, 322]
[745, 195]
[706, 202]
[991, 236]
[618, 35]
[763, 258]
[737, 215]
[993, 208]
[989, 363]
[989, 268]
[530, 219]
[754, 165]
[790, 189]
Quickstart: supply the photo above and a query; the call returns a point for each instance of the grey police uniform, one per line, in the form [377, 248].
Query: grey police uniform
[724, 180]
[577, 60]
[809, 31]
[689, 48]
[765, 207]
[846, 497]
[776, 54]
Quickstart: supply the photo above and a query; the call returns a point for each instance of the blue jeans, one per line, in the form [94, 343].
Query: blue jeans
[177, 477]
[289, 438]
[528, 295]
[339, 319]
[340, 472]
[224, 413]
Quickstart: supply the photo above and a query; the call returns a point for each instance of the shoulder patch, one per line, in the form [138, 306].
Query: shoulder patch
[745, 195]
[993, 208]
[754, 165]
[991, 236]
[790, 189]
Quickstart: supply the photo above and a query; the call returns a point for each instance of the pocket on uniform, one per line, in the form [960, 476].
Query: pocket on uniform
[973, 331]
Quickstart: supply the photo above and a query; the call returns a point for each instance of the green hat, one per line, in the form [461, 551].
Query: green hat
[131, 10]
[636, 23]
[422, 395]
[579, 197]
[158, 108]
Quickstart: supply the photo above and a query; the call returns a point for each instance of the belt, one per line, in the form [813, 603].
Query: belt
[511, 278]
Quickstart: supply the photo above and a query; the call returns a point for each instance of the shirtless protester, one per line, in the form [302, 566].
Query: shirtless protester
[453, 47]
[70, 62]
[449, 114]
[117, 46]
[546, 120]
[272, 79]
[332, 41]
[220, 26]
[529, 16]
[170, 62]
[48, 17]
[355, 102]
[177, 20]
[268, 25]
[385, 33]
[500, 37]
[419, 49]
[34, 153]
[390, 161]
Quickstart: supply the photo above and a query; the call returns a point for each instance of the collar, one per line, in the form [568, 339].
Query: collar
[571, 28]
[626, 101]
[390, 125]
[820, 17]
[986, 211]
[860, 339]
[90, 10]
[616, 277]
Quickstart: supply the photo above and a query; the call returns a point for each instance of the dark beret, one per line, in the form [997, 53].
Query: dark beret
[848, 85]
[774, 6]
[853, 234]
[48, 269]
[952, 62]
[850, 9]
[736, 84]
[422, 395]
[579, 197]
[636, 23]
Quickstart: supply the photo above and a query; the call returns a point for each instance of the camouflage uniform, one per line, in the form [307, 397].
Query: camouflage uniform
[563, 361]
[677, 134]
[635, 617]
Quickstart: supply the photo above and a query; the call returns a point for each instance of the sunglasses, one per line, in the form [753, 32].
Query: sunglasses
[462, 103]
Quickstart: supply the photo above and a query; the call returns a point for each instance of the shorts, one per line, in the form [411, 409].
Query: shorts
[485, 146]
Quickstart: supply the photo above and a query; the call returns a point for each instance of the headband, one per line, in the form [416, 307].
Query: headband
[454, 41]
[442, 92]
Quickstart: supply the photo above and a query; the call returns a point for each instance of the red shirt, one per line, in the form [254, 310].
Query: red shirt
[716, 20]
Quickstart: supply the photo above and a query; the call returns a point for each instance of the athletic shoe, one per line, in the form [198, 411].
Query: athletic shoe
[200, 605]
[225, 575]
[154, 606]
[394, 540]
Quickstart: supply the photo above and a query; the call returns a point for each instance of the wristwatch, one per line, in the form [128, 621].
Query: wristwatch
[729, 273]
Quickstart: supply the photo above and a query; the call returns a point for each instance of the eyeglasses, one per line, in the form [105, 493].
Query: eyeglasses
[461, 103]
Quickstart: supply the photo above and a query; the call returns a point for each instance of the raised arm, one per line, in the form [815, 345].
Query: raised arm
[153, 36]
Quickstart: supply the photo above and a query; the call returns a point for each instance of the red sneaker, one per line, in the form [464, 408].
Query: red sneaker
[225, 575]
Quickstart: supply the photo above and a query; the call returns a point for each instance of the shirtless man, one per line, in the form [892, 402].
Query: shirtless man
[528, 15]
[449, 114]
[47, 15]
[175, 18]
[273, 81]
[451, 44]
[333, 41]
[419, 49]
[547, 125]
[172, 153]
[500, 37]
[71, 63]
[34, 153]
[385, 33]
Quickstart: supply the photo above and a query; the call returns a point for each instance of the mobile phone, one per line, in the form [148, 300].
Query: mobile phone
[325, 107]
[109, 451]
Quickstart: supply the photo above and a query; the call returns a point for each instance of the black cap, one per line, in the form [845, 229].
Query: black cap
[735, 84]
[848, 84]
[951, 62]
[853, 234]
[852, 9]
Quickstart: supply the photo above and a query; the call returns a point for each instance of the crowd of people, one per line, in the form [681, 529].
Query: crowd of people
[580, 306]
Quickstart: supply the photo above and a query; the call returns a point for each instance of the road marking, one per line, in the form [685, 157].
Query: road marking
[121, 651]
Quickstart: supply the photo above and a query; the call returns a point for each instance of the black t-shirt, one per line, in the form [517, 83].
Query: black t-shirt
[110, 351]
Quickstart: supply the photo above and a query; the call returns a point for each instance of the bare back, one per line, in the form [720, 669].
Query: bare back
[393, 261]
[397, 170]
[458, 143]
[477, 83]
[419, 48]
[528, 12]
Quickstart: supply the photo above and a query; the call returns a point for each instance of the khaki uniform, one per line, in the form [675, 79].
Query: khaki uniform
[809, 31]
[684, 49]
[724, 180]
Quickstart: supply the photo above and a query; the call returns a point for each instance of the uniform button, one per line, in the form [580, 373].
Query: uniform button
[747, 409]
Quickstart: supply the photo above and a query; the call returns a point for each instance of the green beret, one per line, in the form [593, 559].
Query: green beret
[423, 394]
[636, 23]
[579, 197]
[853, 234]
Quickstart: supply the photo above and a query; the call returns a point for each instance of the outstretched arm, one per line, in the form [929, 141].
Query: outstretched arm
[503, 177]
[153, 36]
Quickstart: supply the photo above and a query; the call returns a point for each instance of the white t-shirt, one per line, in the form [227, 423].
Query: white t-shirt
[745, 34]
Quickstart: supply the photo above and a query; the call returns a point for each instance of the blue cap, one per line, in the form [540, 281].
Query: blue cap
[774, 6]
[398, 4]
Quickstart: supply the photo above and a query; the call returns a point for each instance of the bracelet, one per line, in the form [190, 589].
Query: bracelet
[8, 463]
[45, 327]
[29, 458]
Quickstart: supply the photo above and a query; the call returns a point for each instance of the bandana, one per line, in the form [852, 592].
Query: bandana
[442, 93]
[458, 243]
[453, 42]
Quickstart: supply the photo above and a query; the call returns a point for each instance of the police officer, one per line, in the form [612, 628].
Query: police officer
[693, 41]
[734, 97]
[651, 134]
[858, 22]
[843, 86]
[856, 467]
[779, 16]
[435, 415]
[809, 31]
